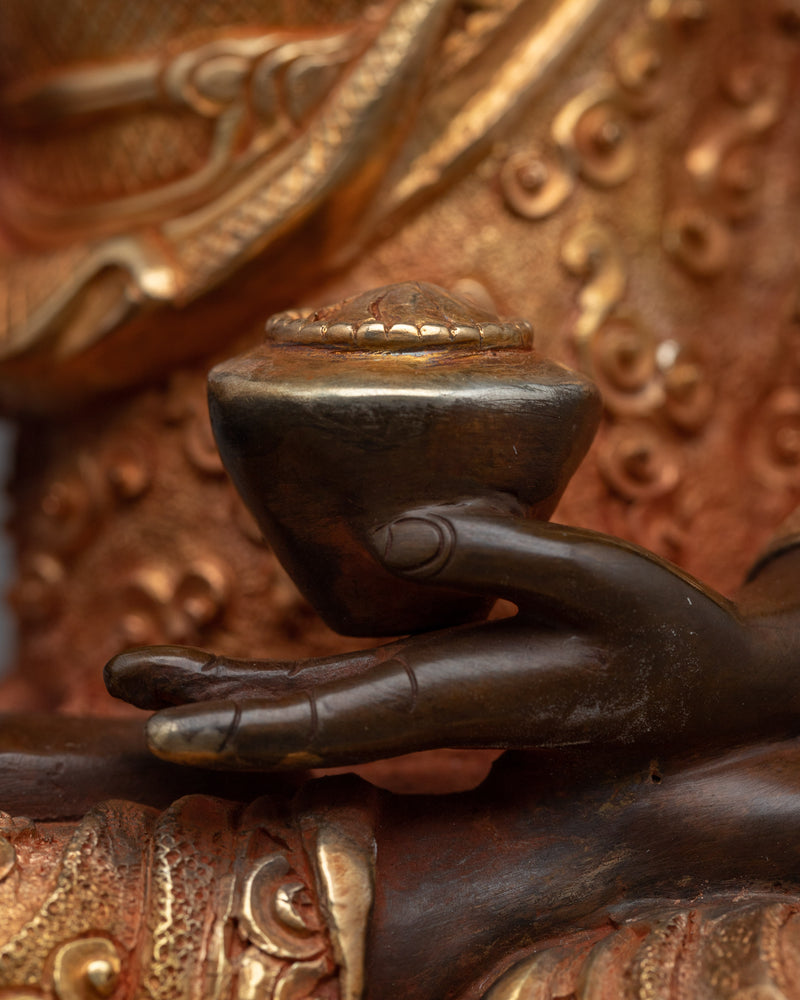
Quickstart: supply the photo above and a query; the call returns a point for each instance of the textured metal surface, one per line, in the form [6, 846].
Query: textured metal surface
[624, 174]
[650, 239]
[135, 903]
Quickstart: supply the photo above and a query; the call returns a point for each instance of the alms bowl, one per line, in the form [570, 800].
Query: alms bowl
[345, 418]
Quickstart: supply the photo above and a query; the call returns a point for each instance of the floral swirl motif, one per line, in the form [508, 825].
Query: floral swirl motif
[638, 463]
[697, 240]
[745, 953]
[688, 396]
[214, 899]
[67, 518]
[724, 166]
[164, 601]
[772, 431]
[637, 375]
[71, 509]
[656, 392]
[592, 253]
[776, 444]
[624, 353]
[38, 593]
[276, 913]
[593, 137]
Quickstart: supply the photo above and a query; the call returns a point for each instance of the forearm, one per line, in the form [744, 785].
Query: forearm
[465, 881]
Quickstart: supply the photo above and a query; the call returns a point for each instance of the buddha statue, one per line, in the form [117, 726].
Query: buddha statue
[622, 175]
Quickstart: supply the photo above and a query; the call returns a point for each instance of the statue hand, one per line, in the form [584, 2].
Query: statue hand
[611, 645]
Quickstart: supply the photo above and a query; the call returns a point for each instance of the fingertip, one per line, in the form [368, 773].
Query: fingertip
[162, 734]
[146, 676]
[125, 673]
[415, 544]
[422, 542]
[116, 669]
[193, 736]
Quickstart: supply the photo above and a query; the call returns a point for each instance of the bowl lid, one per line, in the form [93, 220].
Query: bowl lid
[410, 316]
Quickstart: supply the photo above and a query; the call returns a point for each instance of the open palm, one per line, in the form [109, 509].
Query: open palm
[610, 646]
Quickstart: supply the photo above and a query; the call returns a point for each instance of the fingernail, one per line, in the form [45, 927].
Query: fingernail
[414, 544]
[147, 676]
[163, 734]
[191, 739]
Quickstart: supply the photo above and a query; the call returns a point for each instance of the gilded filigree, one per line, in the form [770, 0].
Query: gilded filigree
[656, 391]
[474, 125]
[472, 26]
[593, 137]
[252, 87]
[96, 877]
[725, 167]
[277, 196]
[744, 952]
[229, 904]
[292, 116]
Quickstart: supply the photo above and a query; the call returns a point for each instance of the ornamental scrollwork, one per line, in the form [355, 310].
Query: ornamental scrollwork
[656, 391]
[745, 952]
[725, 169]
[593, 136]
[267, 125]
[773, 433]
[229, 897]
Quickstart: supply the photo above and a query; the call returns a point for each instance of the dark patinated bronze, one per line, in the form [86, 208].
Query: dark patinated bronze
[625, 173]
[395, 478]
[406, 481]
[611, 647]
[404, 396]
[656, 718]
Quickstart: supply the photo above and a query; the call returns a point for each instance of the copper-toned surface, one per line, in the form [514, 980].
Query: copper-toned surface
[488, 893]
[107, 558]
[132, 903]
[572, 867]
[648, 237]
[623, 174]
